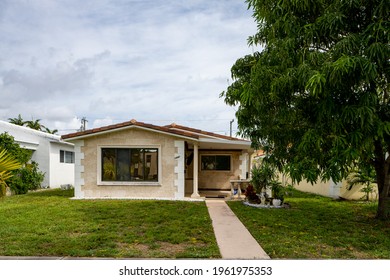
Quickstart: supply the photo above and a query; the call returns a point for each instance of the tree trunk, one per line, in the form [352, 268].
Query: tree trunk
[382, 168]
[383, 179]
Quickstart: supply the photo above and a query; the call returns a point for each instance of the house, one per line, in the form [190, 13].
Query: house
[54, 156]
[139, 160]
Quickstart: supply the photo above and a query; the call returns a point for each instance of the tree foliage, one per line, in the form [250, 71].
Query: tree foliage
[33, 124]
[316, 95]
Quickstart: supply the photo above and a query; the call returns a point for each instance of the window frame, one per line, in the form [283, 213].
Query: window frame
[63, 157]
[128, 183]
[216, 170]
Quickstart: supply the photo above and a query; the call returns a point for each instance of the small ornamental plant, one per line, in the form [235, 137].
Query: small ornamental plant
[251, 195]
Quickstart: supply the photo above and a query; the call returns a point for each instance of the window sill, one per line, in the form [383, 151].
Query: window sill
[135, 184]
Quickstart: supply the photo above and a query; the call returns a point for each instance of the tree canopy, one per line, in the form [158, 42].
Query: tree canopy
[315, 96]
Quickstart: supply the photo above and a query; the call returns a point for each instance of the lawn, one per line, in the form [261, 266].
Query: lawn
[316, 227]
[48, 223]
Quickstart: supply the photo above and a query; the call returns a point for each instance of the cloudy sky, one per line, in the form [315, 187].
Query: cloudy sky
[157, 61]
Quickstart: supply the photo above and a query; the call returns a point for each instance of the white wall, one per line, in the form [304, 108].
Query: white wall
[60, 173]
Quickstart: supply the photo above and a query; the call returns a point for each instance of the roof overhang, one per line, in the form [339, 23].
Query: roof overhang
[27, 145]
[222, 144]
[205, 140]
[81, 137]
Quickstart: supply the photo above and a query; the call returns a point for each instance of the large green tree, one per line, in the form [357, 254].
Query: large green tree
[315, 96]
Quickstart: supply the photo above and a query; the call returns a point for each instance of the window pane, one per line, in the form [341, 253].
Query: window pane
[151, 165]
[62, 156]
[123, 165]
[69, 158]
[223, 162]
[137, 165]
[108, 165]
[208, 163]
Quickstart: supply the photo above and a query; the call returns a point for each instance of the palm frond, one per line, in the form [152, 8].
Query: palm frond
[7, 162]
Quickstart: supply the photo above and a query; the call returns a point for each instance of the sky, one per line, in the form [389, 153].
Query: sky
[110, 61]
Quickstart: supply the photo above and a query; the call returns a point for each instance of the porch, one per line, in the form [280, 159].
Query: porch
[210, 168]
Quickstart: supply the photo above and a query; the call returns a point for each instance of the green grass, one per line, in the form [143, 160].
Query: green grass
[316, 227]
[48, 223]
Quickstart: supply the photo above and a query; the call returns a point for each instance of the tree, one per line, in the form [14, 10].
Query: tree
[48, 130]
[315, 96]
[364, 178]
[18, 121]
[34, 124]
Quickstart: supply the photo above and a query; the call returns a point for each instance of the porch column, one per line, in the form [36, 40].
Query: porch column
[195, 193]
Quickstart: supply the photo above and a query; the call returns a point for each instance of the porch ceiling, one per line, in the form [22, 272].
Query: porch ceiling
[220, 144]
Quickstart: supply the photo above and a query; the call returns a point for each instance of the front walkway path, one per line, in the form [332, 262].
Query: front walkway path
[234, 240]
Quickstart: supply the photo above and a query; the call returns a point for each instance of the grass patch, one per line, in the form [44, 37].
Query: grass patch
[48, 223]
[317, 227]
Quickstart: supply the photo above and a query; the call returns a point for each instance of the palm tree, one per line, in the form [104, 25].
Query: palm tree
[367, 179]
[18, 121]
[7, 164]
[48, 130]
[34, 124]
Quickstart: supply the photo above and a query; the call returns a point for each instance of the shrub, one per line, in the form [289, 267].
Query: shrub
[26, 178]
[251, 195]
[262, 175]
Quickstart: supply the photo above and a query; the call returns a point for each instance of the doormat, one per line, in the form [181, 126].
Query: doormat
[215, 196]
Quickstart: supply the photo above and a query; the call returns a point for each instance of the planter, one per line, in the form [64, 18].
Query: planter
[276, 202]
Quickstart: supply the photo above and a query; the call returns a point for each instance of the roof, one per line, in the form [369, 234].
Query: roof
[27, 137]
[199, 132]
[172, 129]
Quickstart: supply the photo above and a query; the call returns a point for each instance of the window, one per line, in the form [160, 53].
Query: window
[66, 156]
[129, 164]
[215, 162]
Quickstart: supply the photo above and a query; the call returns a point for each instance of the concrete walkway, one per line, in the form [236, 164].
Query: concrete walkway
[234, 240]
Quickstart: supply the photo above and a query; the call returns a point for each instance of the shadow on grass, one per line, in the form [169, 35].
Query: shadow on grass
[52, 192]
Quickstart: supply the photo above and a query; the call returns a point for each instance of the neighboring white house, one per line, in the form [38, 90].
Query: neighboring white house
[54, 156]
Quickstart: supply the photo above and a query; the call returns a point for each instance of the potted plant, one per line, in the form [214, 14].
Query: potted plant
[277, 193]
[262, 175]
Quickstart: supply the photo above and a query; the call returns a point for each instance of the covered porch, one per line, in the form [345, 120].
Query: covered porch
[215, 168]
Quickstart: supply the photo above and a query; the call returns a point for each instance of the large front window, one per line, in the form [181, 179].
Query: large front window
[129, 164]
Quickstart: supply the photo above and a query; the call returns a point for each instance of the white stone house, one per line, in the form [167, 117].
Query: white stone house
[139, 160]
[54, 156]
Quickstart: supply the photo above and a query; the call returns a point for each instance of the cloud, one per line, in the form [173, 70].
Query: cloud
[116, 60]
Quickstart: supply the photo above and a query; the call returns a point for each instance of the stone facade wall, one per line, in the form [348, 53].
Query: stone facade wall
[93, 187]
[220, 180]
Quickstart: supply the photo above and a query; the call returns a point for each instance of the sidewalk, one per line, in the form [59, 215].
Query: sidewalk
[234, 240]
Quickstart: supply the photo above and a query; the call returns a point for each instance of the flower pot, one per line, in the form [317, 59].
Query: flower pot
[276, 202]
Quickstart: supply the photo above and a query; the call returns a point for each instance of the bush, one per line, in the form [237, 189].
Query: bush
[262, 175]
[26, 178]
[251, 195]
